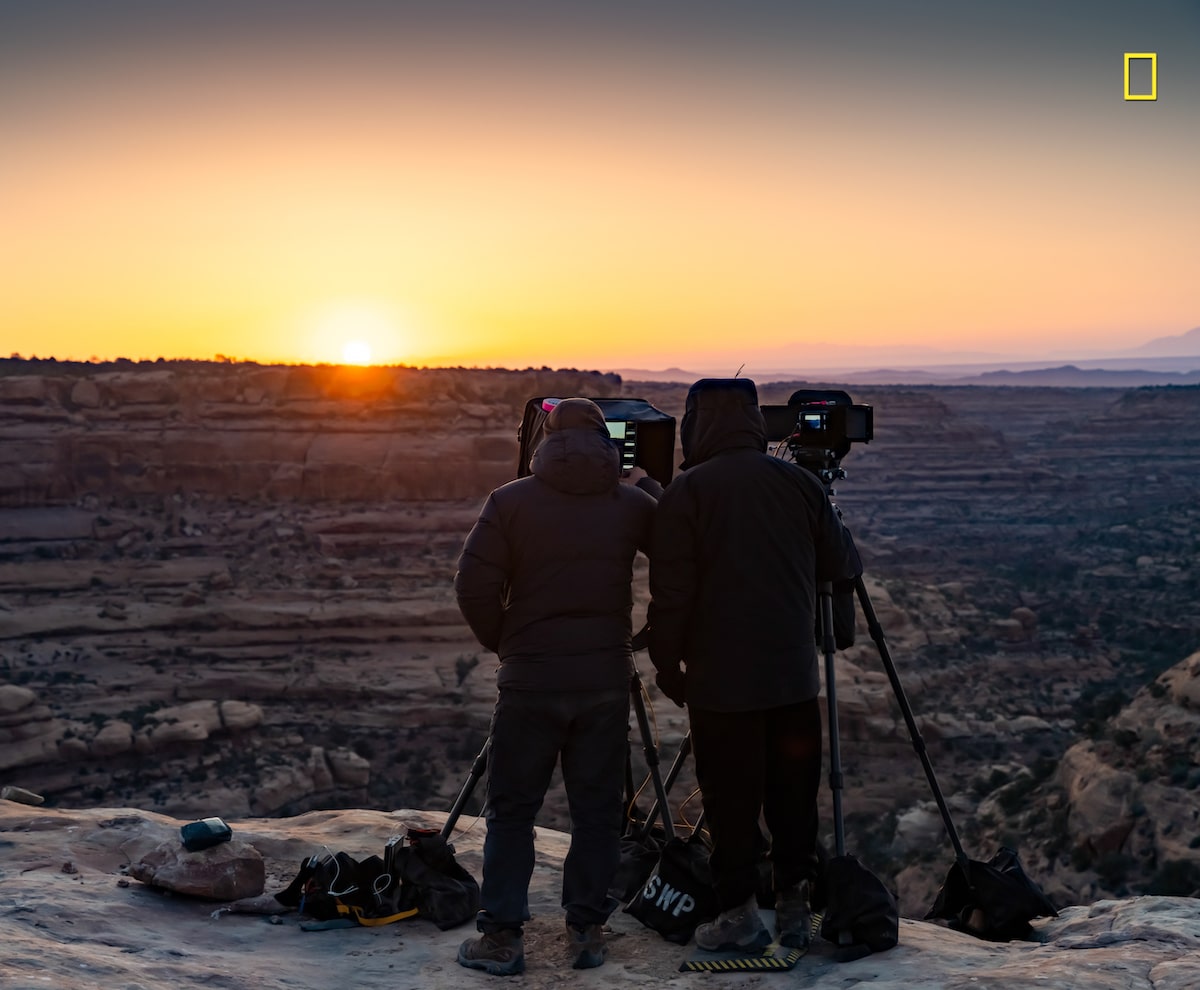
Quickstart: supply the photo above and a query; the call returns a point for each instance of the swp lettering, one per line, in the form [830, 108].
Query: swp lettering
[667, 899]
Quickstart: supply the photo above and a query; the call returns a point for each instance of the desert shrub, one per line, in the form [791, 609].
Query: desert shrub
[464, 665]
[1011, 838]
[1057, 832]
[420, 783]
[872, 839]
[1176, 878]
[1044, 767]
[1125, 738]
[1095, 707]
[1081, 858]
[1012, 798]
[1113, 869]
[466, 745]
[984, 786]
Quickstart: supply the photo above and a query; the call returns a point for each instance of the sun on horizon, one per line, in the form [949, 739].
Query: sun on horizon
[355, 332]
[356, 352]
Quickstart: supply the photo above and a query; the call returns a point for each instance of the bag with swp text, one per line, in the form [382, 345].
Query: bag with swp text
[679, 894]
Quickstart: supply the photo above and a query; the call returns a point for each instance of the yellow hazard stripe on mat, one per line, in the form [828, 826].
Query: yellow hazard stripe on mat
[768, 960]
[773, 957]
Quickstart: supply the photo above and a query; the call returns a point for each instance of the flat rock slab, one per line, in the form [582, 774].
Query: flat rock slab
[71, 919]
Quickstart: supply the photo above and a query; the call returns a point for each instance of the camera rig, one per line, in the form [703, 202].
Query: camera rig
[644, 435]
[817, 428]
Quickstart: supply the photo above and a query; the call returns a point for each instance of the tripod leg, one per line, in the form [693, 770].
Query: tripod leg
[829, 647]
[685, 747]
[630, 791]
[885, 655]
[651, 753]
[845, 937]
[478, 766]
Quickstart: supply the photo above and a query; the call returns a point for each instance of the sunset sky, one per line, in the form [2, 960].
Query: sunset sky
[601, 184]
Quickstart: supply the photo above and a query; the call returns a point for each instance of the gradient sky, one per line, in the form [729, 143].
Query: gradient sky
[594, 184]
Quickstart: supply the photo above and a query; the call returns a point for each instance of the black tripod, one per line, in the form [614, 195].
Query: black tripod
[993, 900]
[828, 646]
[661, 808]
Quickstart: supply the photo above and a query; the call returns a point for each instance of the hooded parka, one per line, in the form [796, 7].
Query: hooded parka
[741, 540]
[544, 575]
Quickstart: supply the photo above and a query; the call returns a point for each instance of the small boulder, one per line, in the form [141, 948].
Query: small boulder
[21, 796]
[14, 698]
[348, 768]
[226, 872]
[238, 716]
[113, 738]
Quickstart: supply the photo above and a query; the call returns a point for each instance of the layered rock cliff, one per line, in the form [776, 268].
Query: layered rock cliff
[252, 431]
[227, 589]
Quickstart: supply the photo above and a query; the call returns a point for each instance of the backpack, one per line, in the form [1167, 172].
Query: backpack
[417, 876]
[331, 886]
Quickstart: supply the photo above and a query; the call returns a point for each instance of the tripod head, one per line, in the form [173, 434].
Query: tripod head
[816, 430]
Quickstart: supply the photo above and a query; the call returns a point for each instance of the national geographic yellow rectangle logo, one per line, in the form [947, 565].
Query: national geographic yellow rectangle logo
[1152, 58]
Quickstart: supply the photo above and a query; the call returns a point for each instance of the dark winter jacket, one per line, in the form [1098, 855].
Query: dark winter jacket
[544, 576]
[741, 540]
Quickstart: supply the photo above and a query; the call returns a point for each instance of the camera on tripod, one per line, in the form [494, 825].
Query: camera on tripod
[817, 428]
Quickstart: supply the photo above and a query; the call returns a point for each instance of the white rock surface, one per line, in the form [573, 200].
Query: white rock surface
[72, 919]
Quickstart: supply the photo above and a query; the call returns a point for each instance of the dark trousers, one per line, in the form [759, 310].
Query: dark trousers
[768, 761]
[531, 730]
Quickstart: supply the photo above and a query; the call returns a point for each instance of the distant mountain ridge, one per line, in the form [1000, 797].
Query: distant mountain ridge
[1061, 376]
[1069, 375]
[1182, 344]
[1171, 360]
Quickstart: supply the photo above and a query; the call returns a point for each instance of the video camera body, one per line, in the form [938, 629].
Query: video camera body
[816, 429]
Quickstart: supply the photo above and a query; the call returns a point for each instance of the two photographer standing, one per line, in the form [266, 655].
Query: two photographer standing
[740, 542]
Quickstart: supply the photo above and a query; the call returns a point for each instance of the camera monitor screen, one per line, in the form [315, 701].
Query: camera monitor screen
[624, 433]
[644, 435]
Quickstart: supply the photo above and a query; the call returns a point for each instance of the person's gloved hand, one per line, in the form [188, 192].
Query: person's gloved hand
[640, 639]
[670, 683]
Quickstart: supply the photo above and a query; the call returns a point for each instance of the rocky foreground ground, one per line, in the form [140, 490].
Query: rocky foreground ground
[225, 589]
[73, 918]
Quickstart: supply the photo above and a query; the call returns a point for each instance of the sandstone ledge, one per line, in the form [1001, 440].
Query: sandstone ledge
[89, 926]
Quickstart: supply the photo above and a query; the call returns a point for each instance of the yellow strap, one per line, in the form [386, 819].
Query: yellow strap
[371, 922]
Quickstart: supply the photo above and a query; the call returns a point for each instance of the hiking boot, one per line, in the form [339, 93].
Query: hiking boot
[738, 929]
[587, 946]
[500, 953]
[793, 916]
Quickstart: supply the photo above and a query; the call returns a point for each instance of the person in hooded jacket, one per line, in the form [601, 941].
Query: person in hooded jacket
[741, 541]
[544, 580]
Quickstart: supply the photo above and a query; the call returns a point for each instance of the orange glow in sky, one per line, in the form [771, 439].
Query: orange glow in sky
[491, 203]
